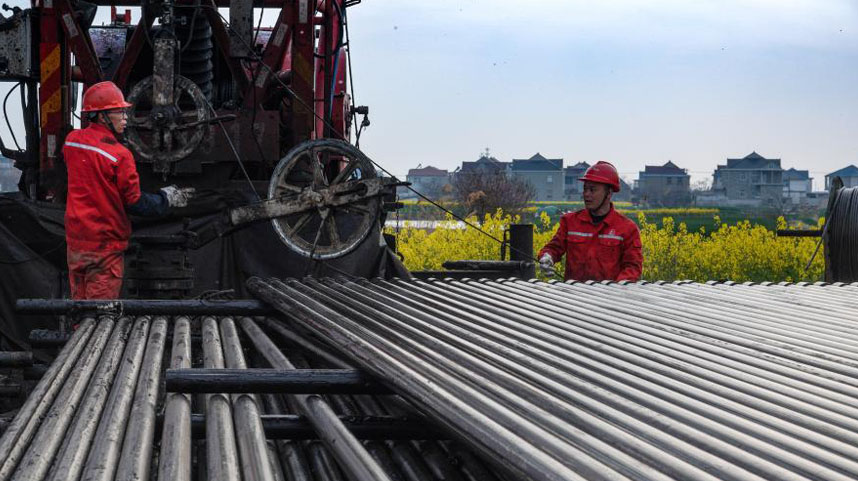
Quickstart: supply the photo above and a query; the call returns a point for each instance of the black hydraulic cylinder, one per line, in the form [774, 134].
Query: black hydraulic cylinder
[295, 381]
[521, 242]
[295, 427]
[190, 307]
[521, 248]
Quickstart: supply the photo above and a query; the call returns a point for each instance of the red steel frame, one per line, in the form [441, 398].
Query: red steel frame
[290, 48]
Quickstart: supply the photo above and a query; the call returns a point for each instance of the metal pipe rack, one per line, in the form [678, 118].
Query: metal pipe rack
[609, 380]
[188, 397]
[460, 380]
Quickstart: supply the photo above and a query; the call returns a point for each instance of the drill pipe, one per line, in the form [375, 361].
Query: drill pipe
[391, 320]
[80, 435]
[444, 397]
[175, 458]
[730, 316]
[648, 318]
[350, 453]
[739, 298]
[111, 428]
[308, 345]
[251, 437]
[136, 456]
[779, 384]
[221, 454]
[556, 345]
[20, 432]
[292, 456]
[44, 445]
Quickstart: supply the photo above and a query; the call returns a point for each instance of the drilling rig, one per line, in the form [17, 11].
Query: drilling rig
[258, 119]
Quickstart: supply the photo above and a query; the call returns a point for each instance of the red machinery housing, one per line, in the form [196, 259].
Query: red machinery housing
[276, 81]
[221, 104]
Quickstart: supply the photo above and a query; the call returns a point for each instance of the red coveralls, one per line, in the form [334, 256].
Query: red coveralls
[609, 250]
[102, 180]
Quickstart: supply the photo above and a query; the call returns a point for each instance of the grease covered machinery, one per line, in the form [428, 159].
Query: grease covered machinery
[258, 119]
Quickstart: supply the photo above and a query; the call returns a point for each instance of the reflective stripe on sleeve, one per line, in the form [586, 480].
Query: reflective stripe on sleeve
[92, 148]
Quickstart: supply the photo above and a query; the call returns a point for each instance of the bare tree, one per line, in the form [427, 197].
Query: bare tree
[485, 192]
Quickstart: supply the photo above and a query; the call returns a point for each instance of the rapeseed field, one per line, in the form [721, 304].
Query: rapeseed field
[737, 252]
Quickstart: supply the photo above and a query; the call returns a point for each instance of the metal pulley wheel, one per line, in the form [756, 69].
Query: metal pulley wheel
[324, 173]
[167, 134]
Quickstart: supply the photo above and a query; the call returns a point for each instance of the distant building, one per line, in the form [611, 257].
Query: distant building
[545, 175]
[571, 174]
[797, 184]
[664, 185]
[9, 175]
[625, 193]
[751, 180]
[849, 175]
[429, 180]
[485, 164]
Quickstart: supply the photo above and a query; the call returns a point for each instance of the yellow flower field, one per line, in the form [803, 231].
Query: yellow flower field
[740, 252]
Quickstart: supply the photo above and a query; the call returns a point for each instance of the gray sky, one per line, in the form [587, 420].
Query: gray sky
[631, 81]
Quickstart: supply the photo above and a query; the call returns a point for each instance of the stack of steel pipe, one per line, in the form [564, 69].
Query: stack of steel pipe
[133, 399]
[564, 381]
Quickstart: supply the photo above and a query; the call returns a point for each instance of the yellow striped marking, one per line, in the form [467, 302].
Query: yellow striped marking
[51, 63]
[50, 106]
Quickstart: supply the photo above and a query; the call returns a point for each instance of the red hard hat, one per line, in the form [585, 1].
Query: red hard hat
[603, 173]
[103, 96]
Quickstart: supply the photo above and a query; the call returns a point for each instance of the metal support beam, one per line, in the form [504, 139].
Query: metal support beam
[294, 427]
[16, 358]
[47, 338]
[296, 381]
[195, 307]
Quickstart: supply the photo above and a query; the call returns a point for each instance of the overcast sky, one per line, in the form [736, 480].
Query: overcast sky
[635, 82]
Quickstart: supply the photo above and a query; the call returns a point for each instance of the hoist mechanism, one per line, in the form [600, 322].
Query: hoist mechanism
[256, 118]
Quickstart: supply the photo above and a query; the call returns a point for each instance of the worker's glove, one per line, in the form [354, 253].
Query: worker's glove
[546, 264]
[176, 196]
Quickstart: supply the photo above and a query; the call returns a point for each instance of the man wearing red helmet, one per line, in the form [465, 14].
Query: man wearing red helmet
[103, 187]
[599, 242]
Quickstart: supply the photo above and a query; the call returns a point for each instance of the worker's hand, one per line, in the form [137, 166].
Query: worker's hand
[546, 264]
[178, 197]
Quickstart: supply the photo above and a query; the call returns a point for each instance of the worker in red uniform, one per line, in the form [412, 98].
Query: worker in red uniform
[599, 242]
[103, 188]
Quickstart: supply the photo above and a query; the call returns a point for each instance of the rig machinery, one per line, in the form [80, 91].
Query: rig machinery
[257, 119]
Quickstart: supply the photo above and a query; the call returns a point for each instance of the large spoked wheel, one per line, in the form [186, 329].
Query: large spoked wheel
[167, 135]
[311, 168]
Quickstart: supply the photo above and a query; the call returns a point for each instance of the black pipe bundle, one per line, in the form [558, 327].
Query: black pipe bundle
[609, 381]
[843, 235]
